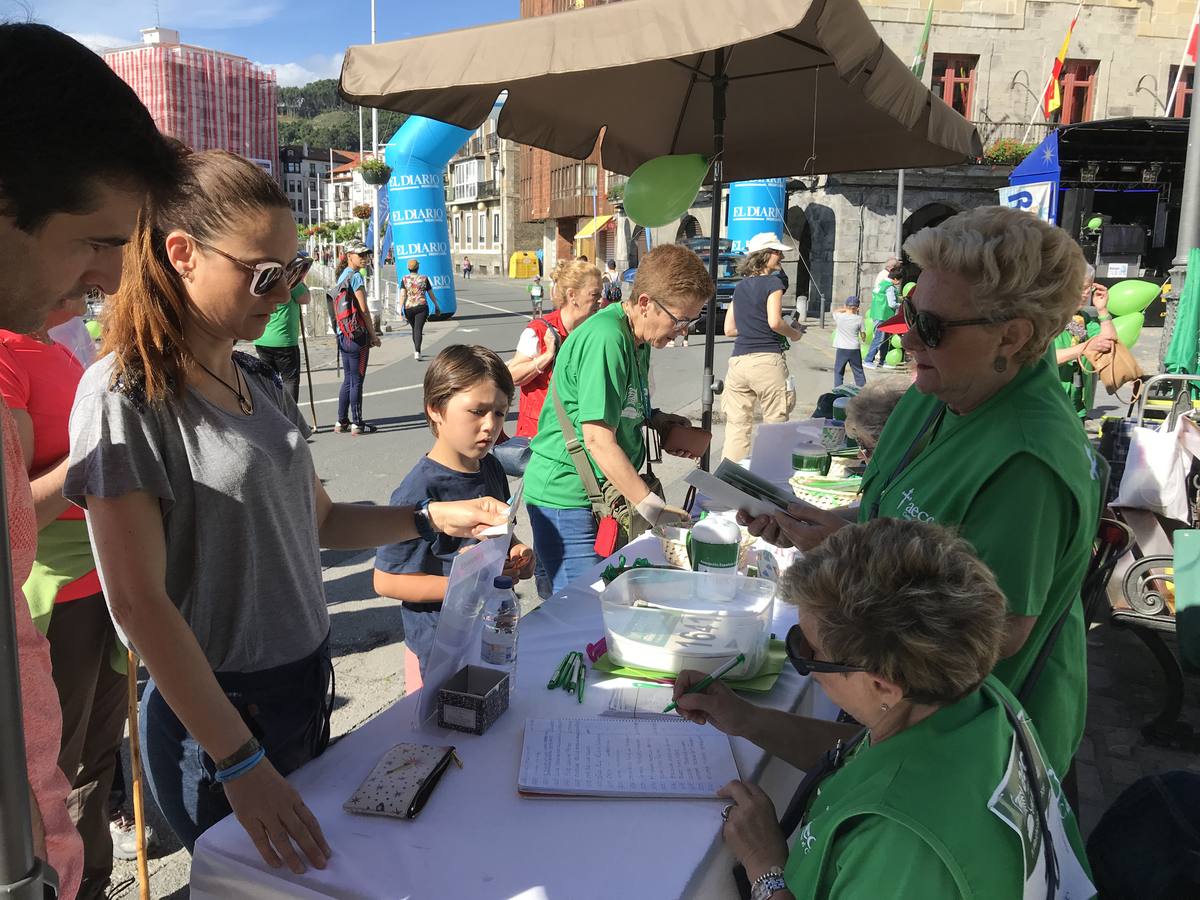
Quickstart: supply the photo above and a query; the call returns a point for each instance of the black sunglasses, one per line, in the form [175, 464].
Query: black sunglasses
[265, 275]
[800, 655]
[930, 328]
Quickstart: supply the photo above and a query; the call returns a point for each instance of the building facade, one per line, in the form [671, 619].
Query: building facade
[207, 99]
[569, 197]
[482, 201]
[304, 174]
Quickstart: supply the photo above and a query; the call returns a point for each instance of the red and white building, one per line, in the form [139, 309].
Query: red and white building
[208, 99]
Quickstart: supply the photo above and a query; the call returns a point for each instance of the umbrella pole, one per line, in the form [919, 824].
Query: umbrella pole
[21, 874]
[719, 84]
[308, 373]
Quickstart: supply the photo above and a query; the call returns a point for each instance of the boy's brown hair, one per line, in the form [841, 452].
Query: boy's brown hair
[458, 368]
[670, 272]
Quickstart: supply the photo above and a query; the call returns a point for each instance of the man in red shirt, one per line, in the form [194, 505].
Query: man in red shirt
[64, 218]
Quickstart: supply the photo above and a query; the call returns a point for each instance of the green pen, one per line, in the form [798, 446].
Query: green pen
[582, 680]
[561, 672]
[709, 679]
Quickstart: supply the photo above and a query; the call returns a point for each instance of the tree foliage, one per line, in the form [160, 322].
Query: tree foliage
[351, 231]
[315, 115]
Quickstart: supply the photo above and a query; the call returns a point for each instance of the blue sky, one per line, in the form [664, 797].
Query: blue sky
[301, 39]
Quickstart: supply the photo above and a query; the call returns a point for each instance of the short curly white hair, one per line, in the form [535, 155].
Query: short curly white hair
[1018, 266]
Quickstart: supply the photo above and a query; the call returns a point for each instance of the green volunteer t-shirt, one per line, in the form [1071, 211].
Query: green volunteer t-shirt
[1019, 481]
[1080, 386]
[283, 328]
[600, 376]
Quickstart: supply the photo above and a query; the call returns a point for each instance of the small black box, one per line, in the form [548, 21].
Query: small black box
[473, 699]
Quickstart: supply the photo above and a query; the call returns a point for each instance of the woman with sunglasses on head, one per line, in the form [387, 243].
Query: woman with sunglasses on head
[900, 624]
[601, 388]
[354, 347]
[986, 441]
[207, 516]
[758, 369]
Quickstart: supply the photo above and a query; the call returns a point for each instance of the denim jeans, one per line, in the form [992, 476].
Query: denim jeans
[564, 541]
[354, 373]
[287, 708]
[419, 631]
[853, 359]
[876, 343]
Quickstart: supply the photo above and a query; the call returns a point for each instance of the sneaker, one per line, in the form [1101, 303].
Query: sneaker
[417, 355]
[363, 428]
[341, 427]
[124, 837]
[671, 342]
[869, 365]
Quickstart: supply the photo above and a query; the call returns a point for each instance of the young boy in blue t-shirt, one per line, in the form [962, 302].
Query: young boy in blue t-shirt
[468, 391]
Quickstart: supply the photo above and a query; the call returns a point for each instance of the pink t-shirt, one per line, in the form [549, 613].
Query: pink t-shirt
[39, 698]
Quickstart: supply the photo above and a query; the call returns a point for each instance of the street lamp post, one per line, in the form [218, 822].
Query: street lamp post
[375, 199]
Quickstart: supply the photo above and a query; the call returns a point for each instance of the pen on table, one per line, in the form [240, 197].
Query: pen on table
[709, 679]
[582, 681]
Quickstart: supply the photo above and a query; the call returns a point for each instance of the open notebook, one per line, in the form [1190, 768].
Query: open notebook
[612, 757]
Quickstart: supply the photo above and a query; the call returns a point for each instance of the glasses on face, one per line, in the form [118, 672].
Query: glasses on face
[682, 325]
[931, 328]
[800, 653]
[265, 275]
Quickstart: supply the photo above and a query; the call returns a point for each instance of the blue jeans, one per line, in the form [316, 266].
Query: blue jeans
[287, 708]
[853, 359]
[419, 631]
[564, 541]
[354, 373]
[876, 343]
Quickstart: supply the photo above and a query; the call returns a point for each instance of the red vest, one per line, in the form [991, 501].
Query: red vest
[533, 392]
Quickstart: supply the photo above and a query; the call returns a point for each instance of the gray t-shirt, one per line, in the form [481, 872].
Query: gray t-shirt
[238, 507]
[846, 328]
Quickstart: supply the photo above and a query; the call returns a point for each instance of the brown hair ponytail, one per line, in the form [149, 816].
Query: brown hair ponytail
[144, 321]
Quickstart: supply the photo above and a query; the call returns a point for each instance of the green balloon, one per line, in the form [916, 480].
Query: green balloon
[93, 329]
[661, 190]
[894, 357]
[1127, 297]
[896, 341]
[869, 332]
[1129, 327]
[1094, 223]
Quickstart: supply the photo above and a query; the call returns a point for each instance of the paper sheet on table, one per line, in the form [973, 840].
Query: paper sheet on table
[458, 629]
[624, 758]
[505, 529]
[637, 700]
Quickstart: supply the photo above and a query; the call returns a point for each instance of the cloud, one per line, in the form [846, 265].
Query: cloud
[87, 17]
[312, 68]
[101, 42]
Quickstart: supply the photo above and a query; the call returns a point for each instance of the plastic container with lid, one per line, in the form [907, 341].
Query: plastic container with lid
[674, 620]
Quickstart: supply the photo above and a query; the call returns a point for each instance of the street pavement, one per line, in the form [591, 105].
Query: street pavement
[366, 631]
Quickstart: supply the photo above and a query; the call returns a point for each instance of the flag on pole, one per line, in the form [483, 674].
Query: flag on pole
[918, 63]
[1052, 96]
[1189, 59]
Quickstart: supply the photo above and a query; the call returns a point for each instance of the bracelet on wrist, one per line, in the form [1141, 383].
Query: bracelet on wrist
[241, 754]
[1105, 317]
[233, 773]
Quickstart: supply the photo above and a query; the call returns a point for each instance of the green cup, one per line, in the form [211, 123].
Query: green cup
[811, 459]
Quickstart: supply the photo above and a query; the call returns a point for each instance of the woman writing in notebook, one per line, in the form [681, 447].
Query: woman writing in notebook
[901, 625]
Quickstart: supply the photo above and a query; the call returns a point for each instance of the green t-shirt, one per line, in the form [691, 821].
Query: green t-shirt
[1080, 386]
[929, 813]
[283, 328]
[1019, 480]
[601, 376]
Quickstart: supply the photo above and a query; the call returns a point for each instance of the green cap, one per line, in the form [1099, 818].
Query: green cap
[908, 289]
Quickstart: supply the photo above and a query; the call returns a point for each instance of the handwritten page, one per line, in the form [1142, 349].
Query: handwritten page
[640, 701]
[624, 758]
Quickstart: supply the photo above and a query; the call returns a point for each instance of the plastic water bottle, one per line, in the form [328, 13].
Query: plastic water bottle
[501, 621]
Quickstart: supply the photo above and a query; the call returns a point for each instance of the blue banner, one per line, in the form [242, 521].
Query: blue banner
[754, 207]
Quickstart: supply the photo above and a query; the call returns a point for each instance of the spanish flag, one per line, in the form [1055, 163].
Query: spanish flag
[1052, 96]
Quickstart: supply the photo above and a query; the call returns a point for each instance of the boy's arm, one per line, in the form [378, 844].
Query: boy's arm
[414, 588]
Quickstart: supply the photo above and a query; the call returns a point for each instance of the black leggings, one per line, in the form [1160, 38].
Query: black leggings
[416, 318]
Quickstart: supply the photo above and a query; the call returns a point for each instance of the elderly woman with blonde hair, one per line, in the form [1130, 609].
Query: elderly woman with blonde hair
[986, 441]
[900, 624]
[869, 409]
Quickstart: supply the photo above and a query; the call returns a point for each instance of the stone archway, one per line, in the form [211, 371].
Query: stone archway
[689, 228]
[928, 216]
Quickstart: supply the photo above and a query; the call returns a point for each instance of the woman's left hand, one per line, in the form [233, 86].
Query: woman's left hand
[752, 828]
[519, 564]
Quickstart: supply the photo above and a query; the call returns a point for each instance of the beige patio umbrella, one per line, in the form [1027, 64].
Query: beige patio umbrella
[763, 87]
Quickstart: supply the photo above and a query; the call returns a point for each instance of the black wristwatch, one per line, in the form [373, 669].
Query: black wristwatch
[424, 522]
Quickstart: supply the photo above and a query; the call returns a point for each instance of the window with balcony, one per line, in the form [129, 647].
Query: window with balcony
[1078, 83]
[954, 80]
[1181, 106]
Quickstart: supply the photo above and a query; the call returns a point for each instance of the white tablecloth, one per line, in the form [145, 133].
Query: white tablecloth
[477, 838]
